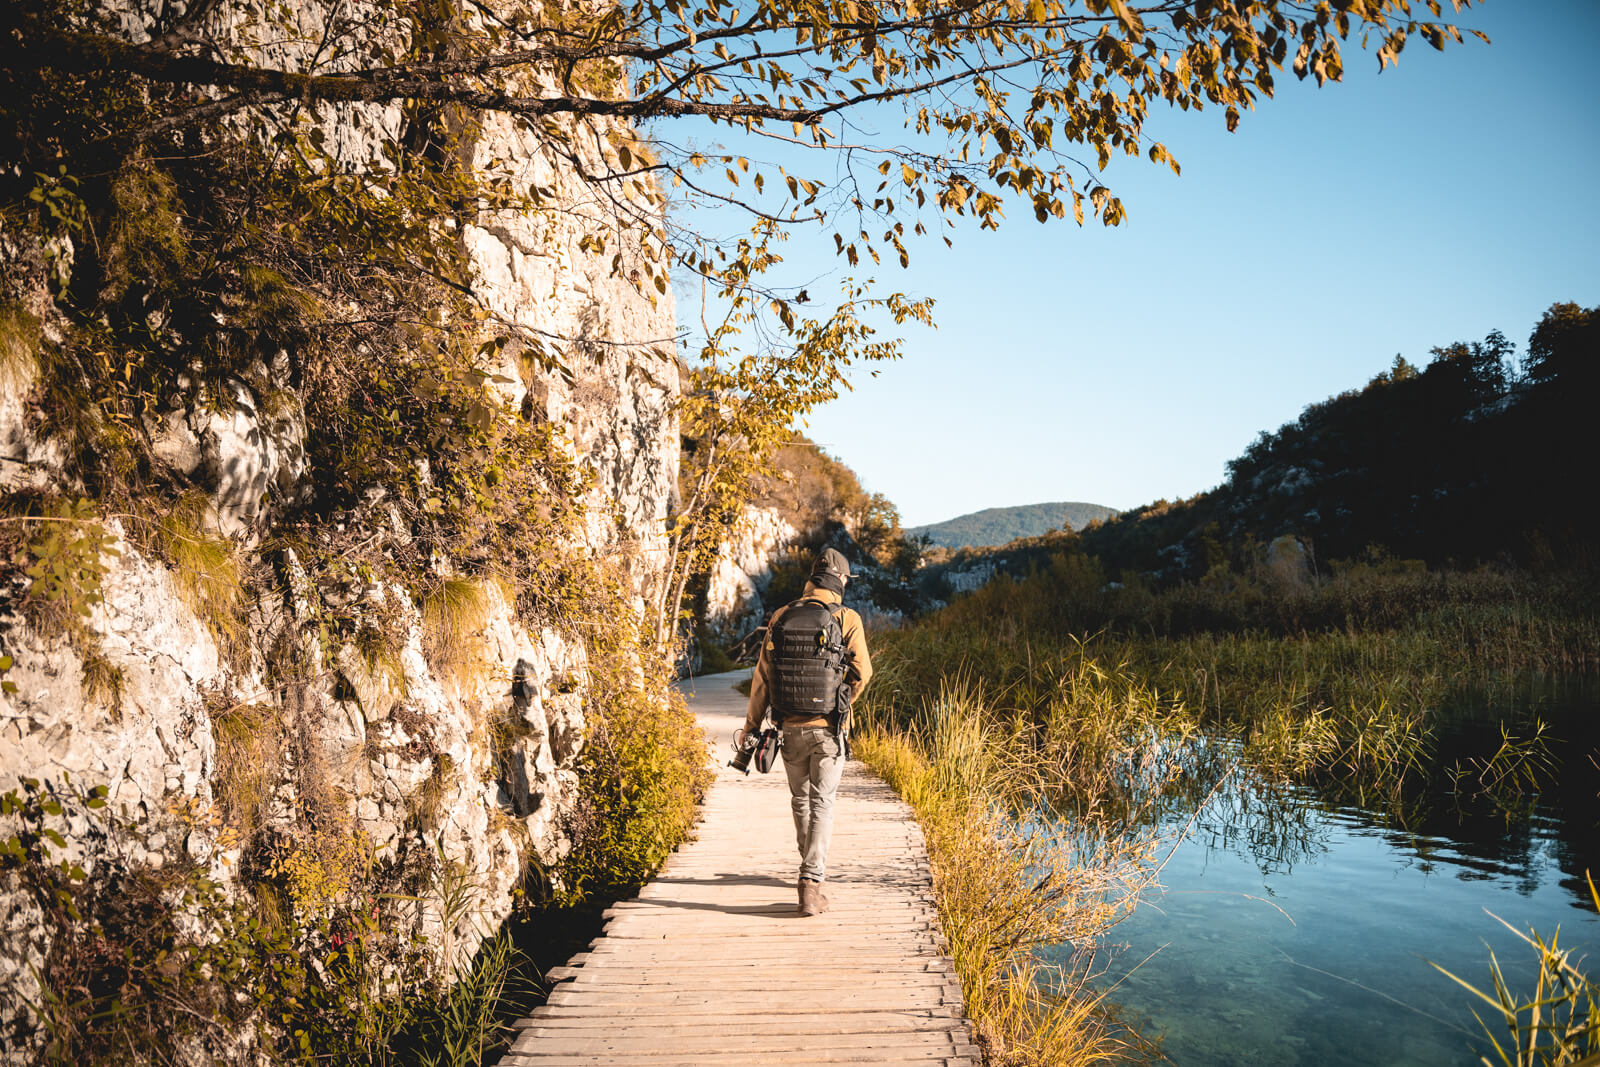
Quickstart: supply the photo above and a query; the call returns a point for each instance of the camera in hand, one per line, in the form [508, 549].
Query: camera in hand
[759, 745]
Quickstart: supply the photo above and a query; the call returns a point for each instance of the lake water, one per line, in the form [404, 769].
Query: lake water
[1295, 927]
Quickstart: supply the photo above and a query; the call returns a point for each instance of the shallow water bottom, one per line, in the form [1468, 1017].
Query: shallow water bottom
[1321, 954]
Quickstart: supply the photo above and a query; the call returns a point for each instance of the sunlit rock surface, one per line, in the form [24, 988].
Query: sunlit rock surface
[742, 573]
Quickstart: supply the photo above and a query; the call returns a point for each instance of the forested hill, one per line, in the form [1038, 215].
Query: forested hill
[998, 526]
[1484, 454]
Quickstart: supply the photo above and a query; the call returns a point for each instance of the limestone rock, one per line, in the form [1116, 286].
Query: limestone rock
[474, 759]
[242, 455]
[742, 572]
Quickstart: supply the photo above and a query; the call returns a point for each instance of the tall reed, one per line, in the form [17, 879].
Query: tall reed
[1009, 878]
[1558, 1023]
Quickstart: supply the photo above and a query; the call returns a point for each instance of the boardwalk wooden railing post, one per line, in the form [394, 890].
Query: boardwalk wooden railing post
[710, 964]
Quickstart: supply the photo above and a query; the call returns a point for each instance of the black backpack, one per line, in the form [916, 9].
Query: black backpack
[806, 648]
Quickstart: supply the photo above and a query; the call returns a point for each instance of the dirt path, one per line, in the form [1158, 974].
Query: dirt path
[710, 965]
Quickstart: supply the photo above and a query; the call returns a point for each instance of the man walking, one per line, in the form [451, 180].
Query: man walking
[813, 663]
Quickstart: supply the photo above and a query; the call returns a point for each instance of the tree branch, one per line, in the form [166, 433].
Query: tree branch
[46, 48]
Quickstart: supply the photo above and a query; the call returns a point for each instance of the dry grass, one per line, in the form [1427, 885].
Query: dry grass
[381, 649]
[209, 574]
[250, 743]
[102, 682]
[454, 614]
[426, 804]
[1011, 880]
[19, 348]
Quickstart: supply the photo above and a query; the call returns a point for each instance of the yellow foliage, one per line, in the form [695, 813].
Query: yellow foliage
[320, 871]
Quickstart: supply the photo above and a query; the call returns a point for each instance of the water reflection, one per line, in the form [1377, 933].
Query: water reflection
[1296, 923]
[1273, 826]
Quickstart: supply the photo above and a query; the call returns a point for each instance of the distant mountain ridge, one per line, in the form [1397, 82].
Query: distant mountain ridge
[999, 526]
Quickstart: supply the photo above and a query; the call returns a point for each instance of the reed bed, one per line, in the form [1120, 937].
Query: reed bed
[1480, 620]
[1085, 703]
[1011, 878]
[1043, 731]
[1353, 708]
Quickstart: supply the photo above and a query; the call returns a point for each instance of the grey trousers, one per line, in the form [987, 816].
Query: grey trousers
[814, 763]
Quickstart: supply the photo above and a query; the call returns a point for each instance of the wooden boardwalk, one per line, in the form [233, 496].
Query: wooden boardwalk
[710, 965]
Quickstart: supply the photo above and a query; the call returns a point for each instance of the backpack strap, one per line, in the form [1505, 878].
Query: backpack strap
[839, 717]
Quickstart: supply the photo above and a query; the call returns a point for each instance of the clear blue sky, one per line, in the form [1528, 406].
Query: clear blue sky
[1291, 260]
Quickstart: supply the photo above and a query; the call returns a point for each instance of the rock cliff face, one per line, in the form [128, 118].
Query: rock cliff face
[748, 582]
[470, 756]
[741, 576]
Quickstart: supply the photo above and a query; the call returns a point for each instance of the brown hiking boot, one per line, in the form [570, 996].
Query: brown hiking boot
[800, 888]
[812, 900]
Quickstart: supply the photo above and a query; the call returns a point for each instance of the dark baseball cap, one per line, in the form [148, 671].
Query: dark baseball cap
[830, 561]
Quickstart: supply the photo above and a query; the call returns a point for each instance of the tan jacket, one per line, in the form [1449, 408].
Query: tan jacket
[857, 674]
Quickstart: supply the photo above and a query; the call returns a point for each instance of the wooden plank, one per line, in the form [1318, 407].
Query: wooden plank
[778, 1014]
[869, 958]
[754, 1041]
[787, 1057]
[644, 930]
[727, 1000]
[772, 1026]
[571, 994]
[644, 981]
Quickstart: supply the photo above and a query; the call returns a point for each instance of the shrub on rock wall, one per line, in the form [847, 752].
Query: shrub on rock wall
[644, 771]
[156, 961]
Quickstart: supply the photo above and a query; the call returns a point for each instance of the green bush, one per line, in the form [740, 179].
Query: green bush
[643, 772]
[713, 657]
